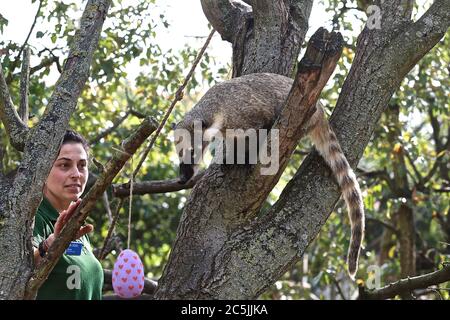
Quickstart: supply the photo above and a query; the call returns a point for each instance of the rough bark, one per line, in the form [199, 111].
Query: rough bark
[266, 36]
[149, 285]
[406, 286]
[20, 197]
[242, 261]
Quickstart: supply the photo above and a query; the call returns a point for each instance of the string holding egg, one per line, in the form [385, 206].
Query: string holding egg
[128, 275]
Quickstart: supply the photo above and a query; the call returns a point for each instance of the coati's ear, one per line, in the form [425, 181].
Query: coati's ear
[173, 125]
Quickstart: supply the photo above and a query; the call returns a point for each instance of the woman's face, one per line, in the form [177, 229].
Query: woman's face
[68, 176]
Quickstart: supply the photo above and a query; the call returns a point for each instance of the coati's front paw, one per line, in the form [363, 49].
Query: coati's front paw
[183, 180]
[186, 172]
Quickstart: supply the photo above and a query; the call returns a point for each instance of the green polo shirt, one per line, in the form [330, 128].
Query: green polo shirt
[74, 277]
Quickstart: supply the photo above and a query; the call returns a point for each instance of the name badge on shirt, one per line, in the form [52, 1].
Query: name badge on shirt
[74, 248]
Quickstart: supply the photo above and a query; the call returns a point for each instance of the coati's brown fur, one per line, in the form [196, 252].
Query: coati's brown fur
[253, 102]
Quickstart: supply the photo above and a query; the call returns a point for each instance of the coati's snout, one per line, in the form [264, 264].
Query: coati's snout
[186, 172]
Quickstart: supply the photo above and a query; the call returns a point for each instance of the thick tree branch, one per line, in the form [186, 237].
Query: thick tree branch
[24, 86]
[406, 286]
[224, 15]
[69, 231]
[15, 128]
[152, 187]
[267, 39]
[413, 43]
[300, 11]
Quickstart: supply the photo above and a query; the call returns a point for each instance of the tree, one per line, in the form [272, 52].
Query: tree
[225, 247]
[247, 257]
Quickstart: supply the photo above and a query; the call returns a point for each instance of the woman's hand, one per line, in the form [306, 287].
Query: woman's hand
[64, 216]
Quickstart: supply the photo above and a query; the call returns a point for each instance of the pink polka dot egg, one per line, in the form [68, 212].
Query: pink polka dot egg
[128, 275]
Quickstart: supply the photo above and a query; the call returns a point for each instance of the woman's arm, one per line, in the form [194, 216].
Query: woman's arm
[64, 216]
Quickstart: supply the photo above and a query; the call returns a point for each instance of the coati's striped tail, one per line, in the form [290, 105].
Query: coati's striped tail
[328, 146]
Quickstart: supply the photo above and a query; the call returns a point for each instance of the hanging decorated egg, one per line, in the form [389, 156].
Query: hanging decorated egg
[128, 275]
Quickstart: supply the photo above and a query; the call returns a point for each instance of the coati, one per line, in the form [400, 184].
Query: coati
[253, 102]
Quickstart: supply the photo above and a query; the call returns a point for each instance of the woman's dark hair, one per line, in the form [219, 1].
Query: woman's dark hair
[72, 136]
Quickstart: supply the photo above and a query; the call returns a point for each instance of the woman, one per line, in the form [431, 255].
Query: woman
[78, 274]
